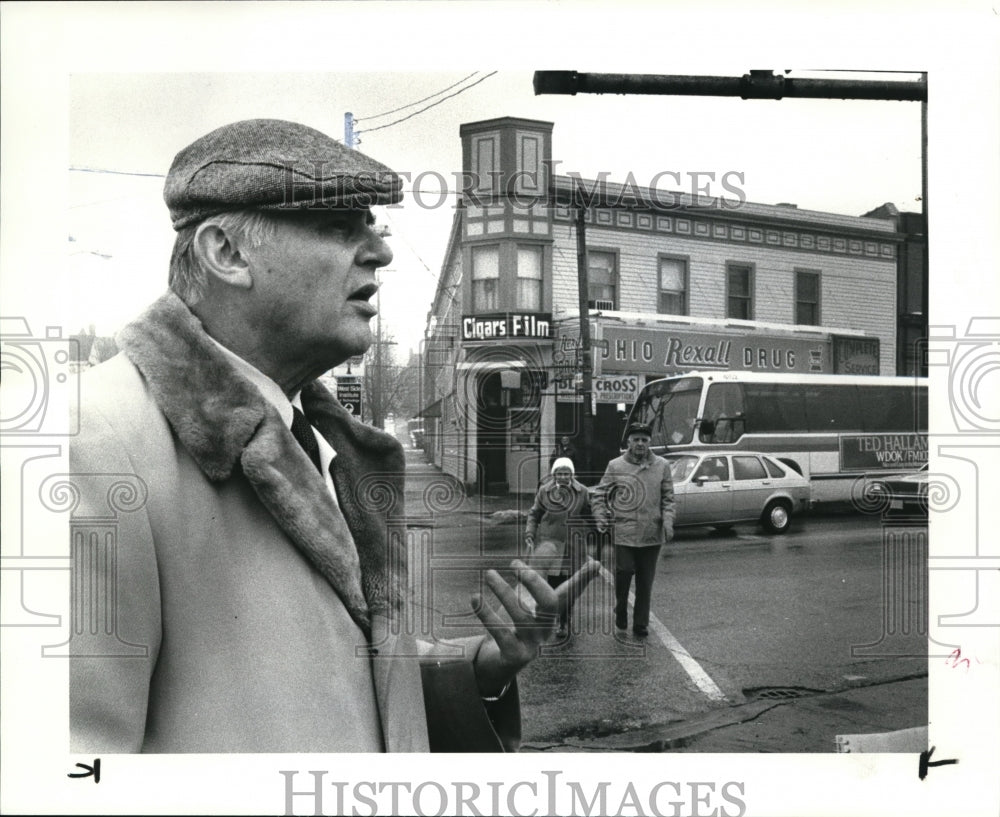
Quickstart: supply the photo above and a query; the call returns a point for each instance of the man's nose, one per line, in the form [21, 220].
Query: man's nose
[375, 251]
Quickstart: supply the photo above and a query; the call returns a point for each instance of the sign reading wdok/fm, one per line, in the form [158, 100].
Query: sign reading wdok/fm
[507, 326]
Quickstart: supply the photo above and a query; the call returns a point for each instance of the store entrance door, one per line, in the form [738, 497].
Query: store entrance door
[491, 433]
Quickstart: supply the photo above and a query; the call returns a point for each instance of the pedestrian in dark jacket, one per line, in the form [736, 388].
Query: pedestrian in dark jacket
[556, 534]
[564, 449]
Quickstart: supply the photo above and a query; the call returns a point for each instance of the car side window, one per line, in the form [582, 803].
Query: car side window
[713, 469]
[748, 468]
[773, 468]
[680, 467]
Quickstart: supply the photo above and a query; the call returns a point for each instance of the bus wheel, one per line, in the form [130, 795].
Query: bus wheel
[777, 516]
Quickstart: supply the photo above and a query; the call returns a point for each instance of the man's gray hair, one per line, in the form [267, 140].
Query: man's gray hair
[188, 278]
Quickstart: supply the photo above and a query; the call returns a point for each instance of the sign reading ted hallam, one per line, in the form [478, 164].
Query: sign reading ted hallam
[870, 452]
[507, 326]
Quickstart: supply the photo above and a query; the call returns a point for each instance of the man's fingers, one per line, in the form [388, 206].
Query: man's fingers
[569, 591]
[491, 619]
[585, 574]
[506, 595]
[540, 590]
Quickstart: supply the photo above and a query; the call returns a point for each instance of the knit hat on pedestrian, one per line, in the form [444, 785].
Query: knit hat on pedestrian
[563, 462]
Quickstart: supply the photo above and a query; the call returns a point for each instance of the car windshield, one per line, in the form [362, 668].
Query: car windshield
[681, 465]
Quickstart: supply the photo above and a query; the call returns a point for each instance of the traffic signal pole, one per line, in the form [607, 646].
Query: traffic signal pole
[755, 85]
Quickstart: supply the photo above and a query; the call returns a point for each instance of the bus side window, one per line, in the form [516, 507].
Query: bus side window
[724, 413]
[890, 408]
[833, 408]
[775, 408]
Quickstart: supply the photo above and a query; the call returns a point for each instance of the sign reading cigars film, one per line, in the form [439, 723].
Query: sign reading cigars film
[507, 326]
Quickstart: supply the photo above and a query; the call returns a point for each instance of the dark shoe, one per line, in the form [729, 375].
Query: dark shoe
[621, 623]
[640, 632]
[563, 633]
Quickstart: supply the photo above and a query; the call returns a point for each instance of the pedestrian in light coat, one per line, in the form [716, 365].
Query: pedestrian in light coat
[635, 502]
[555, 537]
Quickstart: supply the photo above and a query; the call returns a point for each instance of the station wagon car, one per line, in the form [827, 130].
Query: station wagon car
[720, 489]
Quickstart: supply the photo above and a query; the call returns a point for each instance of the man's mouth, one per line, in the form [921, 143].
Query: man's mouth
[360, 298]
[364, 293]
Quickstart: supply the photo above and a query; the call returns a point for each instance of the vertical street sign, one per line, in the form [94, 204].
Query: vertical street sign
[349, 394]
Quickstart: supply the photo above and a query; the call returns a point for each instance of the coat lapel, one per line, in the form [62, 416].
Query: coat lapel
[368, 476]
[226, 425]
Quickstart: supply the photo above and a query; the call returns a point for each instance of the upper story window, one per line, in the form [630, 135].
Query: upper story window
[673, 286]
[602, 277]
[807, 298]
[529, 278]
[485, 278]
[739, 291]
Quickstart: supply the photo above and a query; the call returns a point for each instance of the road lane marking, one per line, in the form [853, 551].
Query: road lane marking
[684, 658]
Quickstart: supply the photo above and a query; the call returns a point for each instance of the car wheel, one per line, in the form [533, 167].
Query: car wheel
[777, 516]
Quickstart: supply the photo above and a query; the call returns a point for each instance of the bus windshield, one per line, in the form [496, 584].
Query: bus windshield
[669, 408]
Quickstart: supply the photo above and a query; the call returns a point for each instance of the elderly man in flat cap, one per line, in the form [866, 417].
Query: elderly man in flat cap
[258, 590]
[635, 502]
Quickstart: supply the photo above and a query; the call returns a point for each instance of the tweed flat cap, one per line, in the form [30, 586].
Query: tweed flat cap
[270, 164]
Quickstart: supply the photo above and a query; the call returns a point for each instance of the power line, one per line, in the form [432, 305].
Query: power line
[116, 172]
[415, 113]
[413, 250]
[404, 107]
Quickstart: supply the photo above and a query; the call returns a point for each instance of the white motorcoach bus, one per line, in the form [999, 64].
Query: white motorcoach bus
[834, 429]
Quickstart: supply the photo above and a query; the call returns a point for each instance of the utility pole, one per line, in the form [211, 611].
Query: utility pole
[351, 137]
[586, 357]
[377, 420]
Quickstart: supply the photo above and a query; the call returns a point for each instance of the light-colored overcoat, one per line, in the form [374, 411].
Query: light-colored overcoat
[235, 577]
[637, 498]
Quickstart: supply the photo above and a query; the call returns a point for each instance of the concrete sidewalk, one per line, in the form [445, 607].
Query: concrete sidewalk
[811, 722]
[431, 492]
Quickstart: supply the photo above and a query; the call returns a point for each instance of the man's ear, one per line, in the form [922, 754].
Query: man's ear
[220, 255]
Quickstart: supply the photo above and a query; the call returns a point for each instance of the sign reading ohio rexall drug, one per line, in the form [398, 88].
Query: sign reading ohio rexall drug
[663, 351]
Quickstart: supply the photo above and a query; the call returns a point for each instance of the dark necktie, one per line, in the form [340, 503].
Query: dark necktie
[303, 433]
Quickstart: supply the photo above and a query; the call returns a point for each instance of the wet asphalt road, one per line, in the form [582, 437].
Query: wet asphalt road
[740, 620]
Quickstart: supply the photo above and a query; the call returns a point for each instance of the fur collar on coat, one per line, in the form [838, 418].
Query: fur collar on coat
[228, 428]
